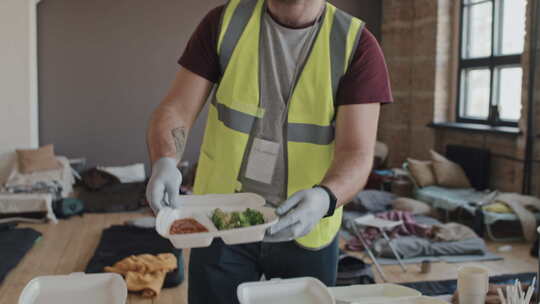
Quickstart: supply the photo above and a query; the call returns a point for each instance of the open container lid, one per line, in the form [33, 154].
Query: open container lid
[79, 288]
[298, 291]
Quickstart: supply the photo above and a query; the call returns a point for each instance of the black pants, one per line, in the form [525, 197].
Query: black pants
[216, 271]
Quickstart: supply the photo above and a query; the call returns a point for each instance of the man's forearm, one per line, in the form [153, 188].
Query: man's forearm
[356, 130]
[172, 120]
[167, 135]
[348, 174]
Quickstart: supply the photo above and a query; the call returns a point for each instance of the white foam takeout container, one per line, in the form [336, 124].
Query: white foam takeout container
[373, 293]
[298, 291]
[200, 208]
[409, 300]
[312, 291]
[80, 288]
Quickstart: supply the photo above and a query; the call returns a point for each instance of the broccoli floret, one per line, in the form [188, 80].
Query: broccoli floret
[254, 217]
[219, 218]
[238, 220]
[224, 220]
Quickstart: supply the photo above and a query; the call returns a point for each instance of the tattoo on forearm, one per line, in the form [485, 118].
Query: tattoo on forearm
[179, 135]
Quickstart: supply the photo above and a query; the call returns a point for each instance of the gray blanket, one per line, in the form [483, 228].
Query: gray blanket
[373, 201]
[412, 246]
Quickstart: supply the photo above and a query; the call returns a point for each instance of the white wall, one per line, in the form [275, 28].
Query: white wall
[18, 79]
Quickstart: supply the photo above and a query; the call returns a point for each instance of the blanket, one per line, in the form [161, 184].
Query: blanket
[412, 246]
[52, 187]
[371, 201]
[417, 236]
[14, 244]
[408, 227]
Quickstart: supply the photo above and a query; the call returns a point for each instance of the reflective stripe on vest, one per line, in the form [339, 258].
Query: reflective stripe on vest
[309, 130]
[241, 122]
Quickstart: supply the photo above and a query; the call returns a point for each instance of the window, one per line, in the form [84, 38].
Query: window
[490, 72]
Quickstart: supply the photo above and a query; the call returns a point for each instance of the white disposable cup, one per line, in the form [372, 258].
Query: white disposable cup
[473, 283]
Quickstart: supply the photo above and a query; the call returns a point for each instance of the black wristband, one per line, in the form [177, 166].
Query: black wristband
[333, 200]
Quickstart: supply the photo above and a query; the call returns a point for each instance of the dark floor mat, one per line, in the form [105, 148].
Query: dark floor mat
[437, 288]
[14, 244]
[353, 271]
[119, 242]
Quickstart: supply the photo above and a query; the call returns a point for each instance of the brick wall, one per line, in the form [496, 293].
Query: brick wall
[536, 167]
[409, 40]
[420, 44]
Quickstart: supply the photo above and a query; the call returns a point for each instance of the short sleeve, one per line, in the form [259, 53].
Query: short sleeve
[200, 55]
[367, 79]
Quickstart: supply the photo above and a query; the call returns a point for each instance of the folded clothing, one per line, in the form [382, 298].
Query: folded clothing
[120, 242]
[14, 244]
[145, 273]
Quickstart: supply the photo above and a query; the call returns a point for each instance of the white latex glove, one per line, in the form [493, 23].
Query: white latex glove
[162, 189]
[298, 215]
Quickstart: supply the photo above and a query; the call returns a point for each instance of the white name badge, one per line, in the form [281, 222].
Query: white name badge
[262, 160]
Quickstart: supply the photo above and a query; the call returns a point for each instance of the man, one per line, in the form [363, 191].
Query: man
[293, 118]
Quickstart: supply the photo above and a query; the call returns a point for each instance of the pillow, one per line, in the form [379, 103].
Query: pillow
[411, 205]
[422, 172]
[447, 173]
[35, 160]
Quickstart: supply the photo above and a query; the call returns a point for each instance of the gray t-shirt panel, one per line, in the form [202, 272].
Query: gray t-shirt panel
[283, 51]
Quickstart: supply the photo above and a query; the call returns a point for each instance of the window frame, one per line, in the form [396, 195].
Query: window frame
[492, 63]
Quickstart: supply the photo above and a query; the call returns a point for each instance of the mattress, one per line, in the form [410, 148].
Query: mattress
[26, 203]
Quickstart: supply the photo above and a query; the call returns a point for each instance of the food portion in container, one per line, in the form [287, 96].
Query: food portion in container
[187, 225]
[236, 219]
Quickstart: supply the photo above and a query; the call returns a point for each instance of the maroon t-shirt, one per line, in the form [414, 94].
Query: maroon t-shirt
[366, 81]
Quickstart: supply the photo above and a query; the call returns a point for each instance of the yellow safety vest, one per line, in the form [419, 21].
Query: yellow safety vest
[309, 131]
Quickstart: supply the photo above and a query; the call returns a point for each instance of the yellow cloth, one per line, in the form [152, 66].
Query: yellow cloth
[498, 208]
[145, 272]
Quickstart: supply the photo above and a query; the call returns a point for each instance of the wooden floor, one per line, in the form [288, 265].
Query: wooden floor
[67, 247]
